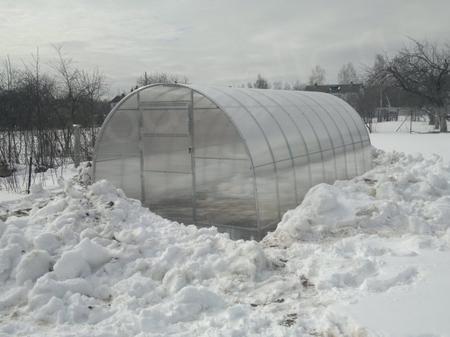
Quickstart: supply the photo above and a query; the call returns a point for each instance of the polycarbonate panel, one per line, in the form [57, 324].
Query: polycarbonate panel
[166, 150]
[359, 132]
[365, 163]
[266, 186]
[361, 127]
[329, 136]
[316, 139]
[306, 128]
[286, 185]
[215, 136]
[165, 120]
[254, 137]
[224, 184]
[169, 195]
[284, 119]
[315, 122]
[367, 156]
[166, 93]
[351, 118]
[225, 193]
[349, 132]
[272, 131]
[317, 168]
[121, 137]
[130, 103]
[202, 102]
[328, 119]
[124, 172]
[335, 111]
[345, 156]
[168, 154]
[335, 130]
[294, 144]
[303, 175]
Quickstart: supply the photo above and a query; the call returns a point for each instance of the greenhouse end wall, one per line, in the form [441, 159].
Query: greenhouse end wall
[230, 157]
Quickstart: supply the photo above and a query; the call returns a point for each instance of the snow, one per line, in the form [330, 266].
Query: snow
[14, 187]
[419, 310]
[396, 136]
[82, 260]
[364, 257]
[414, 143]
[8, 196]
[32, 266]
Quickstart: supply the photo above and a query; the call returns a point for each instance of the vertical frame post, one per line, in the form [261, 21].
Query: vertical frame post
[192, 151]
[141, 148]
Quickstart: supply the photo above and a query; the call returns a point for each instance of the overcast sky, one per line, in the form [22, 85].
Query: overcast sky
[217, 42]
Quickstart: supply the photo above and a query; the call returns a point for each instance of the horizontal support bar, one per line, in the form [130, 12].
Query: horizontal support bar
[312, 153]
[166, 135]
[119, 157]
[157, 108]
[165, 103]
[219, 158]
[159, 171]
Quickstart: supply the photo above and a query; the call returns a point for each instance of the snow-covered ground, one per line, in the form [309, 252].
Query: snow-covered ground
[396, 136]
[365, 257]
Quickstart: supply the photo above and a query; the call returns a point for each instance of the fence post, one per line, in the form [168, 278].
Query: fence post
[30, 167]
[76, 145]
[411, 121]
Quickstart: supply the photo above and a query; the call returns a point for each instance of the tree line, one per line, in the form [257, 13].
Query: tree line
[38, 109]
[418, 75]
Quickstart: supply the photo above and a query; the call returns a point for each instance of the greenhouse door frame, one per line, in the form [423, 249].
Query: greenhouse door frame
[185, 108]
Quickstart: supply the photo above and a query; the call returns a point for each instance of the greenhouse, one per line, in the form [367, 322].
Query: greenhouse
[234, 158]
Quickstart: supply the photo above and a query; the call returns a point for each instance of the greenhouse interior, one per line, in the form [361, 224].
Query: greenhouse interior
[234, 158]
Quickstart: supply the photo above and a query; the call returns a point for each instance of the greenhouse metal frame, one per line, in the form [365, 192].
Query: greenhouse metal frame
[235, 158]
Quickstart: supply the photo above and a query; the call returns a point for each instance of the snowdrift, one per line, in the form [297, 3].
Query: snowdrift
[87, 261]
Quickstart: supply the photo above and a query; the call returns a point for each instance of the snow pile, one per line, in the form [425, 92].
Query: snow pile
[92, 256]
[87, 261]
[402, 194]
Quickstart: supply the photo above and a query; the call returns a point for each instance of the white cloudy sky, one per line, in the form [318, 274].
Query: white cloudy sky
[210, 41]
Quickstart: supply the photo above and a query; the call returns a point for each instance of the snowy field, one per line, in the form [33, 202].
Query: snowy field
[422, 139]
[365, 257]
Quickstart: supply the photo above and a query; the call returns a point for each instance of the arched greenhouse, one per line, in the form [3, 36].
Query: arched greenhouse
[234, 158]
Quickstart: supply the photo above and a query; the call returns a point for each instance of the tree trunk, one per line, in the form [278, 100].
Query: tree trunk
[442, 119]
[431, 118]
[436, 121]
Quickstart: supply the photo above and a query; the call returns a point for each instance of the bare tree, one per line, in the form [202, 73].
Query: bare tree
[347, 74]
[298, 85]
[160, 77]
[277, 85]
[261, 83]
[317, 76]
[38, 109]
[424, 70]
[376, 74]
[70, 79]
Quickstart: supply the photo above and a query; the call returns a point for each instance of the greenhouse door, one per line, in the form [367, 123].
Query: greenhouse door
[167, 159]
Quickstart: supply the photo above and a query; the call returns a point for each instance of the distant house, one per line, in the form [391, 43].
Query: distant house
[340, 90]
[350, 93]
[116, 100]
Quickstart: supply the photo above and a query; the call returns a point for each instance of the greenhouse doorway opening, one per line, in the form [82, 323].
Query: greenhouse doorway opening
[234, 158]
[167, 149]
